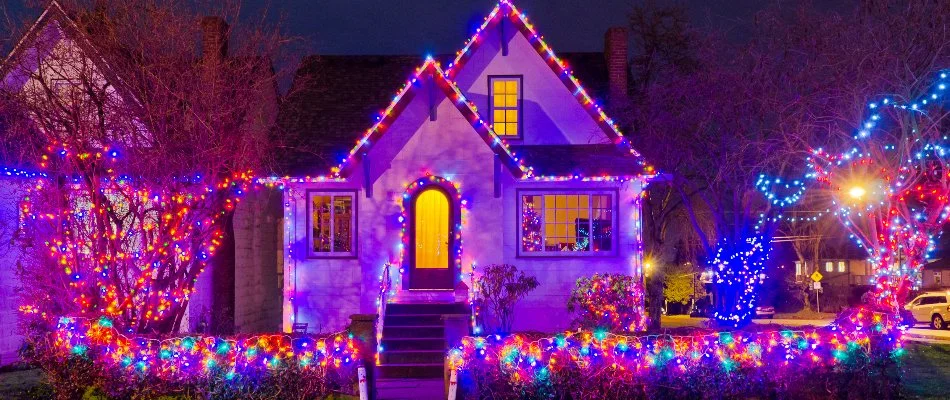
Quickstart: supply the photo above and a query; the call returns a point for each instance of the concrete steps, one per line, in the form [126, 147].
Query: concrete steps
[413, 340]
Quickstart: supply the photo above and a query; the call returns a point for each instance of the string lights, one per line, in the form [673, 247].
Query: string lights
[187, 358]
[890, 189]
[523, 360]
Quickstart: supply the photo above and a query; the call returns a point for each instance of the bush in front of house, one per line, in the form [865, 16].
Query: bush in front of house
[818, 363]
[608, 301]
[500, 287]
[89, 359]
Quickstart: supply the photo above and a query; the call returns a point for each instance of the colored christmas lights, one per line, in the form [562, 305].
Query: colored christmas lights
[504, 10]
[525, 360]
[609, 301]
[739, 272]
[129, 248]
[190, 358]
[890, 189]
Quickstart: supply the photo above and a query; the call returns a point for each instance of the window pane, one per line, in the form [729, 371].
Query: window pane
[498, 86]
[602, 235]
[569, 223]
[531, 239]
[512, 100]
[342, 221]
[500, 129]
[511, 86]
[511, 116]
[511, 129]
[829, 266]
[321, 214]
[499, 100]
[841, 266]
[499, 117]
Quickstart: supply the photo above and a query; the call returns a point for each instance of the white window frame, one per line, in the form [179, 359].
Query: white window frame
[614, 219]
[352, 194]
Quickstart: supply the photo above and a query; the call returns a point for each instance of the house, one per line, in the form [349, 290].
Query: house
[936, 275]
[845, 274]
[497, 155]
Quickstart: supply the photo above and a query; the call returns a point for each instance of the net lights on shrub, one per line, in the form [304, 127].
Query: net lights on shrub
[185, 359]
[526, 361]
[740, 271]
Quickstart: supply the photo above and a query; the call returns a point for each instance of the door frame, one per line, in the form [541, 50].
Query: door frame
[415, 279]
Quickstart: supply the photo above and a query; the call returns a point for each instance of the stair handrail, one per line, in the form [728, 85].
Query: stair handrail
[385, 283]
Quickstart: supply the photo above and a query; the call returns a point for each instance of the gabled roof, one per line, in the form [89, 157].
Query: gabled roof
[332, 94]
[580, 160]
[430, 69]
[333, 98]
[507, 11]
[55, 12]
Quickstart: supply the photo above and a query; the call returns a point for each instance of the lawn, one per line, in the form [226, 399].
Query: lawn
[927, 371]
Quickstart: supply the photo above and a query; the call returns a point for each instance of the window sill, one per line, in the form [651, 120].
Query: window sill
[567, 254]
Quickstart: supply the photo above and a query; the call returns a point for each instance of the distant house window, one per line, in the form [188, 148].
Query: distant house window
[505, 104]
[842, 266]
[829, 266]
[937, 277]
[332, 230]
[798, 268]
[562, 224]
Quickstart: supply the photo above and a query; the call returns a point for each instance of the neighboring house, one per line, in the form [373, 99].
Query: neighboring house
[836, 271]
[845, 274]
[936, 275]
[242, 289]
[496, 155]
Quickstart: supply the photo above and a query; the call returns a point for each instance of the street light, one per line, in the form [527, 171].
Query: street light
[857, 192]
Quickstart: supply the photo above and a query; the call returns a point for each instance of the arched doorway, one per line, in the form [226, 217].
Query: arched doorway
[432, 247]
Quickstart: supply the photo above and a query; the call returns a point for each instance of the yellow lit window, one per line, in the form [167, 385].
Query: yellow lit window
[332, 223]
[505, 104]
[569, 222]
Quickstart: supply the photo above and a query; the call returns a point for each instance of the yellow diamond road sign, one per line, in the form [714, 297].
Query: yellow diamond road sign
[816, 276]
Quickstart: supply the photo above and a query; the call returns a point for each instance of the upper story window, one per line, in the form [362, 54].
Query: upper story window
[567, 224]
[505, 105]
[829, 266]
[332, 222]
[842, 266]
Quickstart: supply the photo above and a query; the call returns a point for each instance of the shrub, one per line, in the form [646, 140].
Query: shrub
[90, 359]
[737, 365]
[500, 287]
[610, 301]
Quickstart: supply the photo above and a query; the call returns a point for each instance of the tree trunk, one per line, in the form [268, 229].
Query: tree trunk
[222, 281]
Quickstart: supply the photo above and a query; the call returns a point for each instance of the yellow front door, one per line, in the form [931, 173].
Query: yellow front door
[431, 241]
[432, 230]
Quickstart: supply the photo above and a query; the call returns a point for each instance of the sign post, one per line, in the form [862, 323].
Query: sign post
[816, 277]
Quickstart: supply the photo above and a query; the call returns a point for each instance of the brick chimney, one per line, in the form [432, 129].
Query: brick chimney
[615, 52]
[214, 39]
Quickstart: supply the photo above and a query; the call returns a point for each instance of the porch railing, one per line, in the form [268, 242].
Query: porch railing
[385, 284]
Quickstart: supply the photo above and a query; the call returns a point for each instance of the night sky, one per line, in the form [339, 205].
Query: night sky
[441, 26]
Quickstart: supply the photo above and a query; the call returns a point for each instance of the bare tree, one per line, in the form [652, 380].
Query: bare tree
[149, 123]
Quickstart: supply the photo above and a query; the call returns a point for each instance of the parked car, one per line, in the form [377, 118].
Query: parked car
[765, 312]
[932, 307]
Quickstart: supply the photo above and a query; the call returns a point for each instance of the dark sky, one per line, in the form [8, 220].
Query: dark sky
[441, 26]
